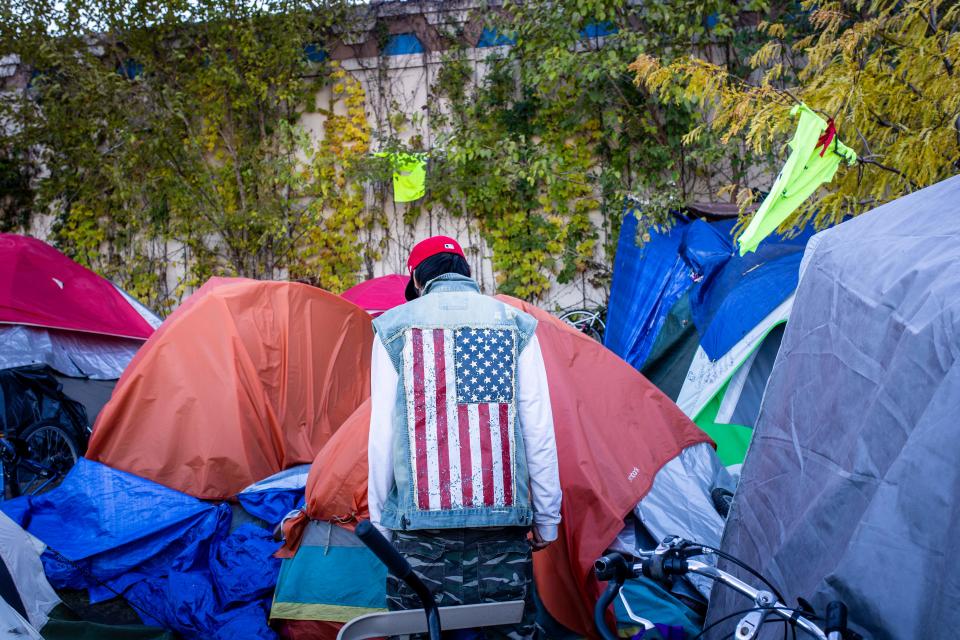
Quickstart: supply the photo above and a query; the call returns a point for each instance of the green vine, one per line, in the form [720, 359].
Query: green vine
[192, 148]
[543, 151]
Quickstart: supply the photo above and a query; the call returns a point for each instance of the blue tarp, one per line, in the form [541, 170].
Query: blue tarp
[169, 554]
[273, 498]
[728, 294]
[647, 282]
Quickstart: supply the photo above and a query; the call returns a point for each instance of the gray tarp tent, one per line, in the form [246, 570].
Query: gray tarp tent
[851, 487]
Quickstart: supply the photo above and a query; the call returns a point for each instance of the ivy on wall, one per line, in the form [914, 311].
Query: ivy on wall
[171, 132]
[334, 250]
[542, 152]
[191, 147]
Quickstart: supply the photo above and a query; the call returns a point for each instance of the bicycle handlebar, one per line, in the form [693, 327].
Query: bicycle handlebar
[398, 566]
[600, 610]
[672, 559]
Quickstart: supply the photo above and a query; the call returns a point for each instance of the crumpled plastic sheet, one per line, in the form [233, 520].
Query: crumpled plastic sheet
[728, 294]
[71, 353]
[647, 282]
[169, 554]
[274, 497]
[29, 395]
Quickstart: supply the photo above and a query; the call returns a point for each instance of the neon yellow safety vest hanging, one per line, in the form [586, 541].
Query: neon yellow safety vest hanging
[814, 157]
[409, 175]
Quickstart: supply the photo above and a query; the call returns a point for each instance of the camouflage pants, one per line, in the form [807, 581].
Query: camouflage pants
[469, 566]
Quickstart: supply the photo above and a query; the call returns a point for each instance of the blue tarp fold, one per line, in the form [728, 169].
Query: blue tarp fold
[728, 294]
[169, 554]
[647, 282]
[274, 497]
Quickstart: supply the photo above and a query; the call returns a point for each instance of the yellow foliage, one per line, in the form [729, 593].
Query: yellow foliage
[886, 72]
[333, 250]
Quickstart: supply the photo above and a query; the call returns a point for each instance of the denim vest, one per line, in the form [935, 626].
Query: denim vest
[458, 453]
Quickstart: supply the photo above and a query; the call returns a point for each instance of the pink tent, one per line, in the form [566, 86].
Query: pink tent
[41, 287]
[379, 294]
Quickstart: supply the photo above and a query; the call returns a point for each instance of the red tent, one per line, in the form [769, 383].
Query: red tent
[243, 380]
[40, 286]
[379, 294]
[615, 430]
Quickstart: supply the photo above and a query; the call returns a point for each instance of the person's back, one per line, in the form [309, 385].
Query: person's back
[462, 453]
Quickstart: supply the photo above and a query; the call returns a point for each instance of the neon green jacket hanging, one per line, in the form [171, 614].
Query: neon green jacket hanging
[804, 171]
[409, 175]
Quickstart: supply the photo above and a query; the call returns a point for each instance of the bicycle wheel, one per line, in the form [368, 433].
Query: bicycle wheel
[50, 453]
[584, 321]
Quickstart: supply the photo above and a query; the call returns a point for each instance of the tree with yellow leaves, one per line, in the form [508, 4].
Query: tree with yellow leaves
[885, 72]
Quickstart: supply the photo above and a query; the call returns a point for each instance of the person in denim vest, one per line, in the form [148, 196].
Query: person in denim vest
[462, 455]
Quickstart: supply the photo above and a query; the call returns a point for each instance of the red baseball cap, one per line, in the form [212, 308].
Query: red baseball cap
[426, 249]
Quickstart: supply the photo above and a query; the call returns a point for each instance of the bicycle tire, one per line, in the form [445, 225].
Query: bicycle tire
[590, 322]
[47, 444]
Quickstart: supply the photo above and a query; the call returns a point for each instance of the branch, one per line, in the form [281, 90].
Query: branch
[956, 125]
[896, 126]
[891, 170]
[863, 140]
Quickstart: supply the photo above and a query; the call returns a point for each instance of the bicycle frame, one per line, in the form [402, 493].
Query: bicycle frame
[12, 459]
[749, 625]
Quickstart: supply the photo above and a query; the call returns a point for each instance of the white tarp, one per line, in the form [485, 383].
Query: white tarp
[21, 553]
[12, 624]
[679, 501]
[71, 353]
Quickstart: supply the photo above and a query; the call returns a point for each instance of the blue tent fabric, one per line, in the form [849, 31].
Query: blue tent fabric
[271, 506]
[274, 497]
[728, 294]
[647, 282]
[733, 294]
[167, 553]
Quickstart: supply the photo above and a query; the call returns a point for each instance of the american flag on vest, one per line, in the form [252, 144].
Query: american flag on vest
[461, 416]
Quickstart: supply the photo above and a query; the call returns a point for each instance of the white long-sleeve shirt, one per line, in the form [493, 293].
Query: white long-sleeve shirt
[536, 426]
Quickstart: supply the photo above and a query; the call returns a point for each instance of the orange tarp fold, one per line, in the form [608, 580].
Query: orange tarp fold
[243, 380]
[614, 430]
[337, 483]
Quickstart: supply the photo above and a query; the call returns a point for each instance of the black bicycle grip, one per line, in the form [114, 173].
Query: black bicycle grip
[612, 566]
[836, 617]
[386, 552]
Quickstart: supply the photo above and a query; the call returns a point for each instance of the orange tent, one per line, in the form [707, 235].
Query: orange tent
[245, 379]
[614, 430]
